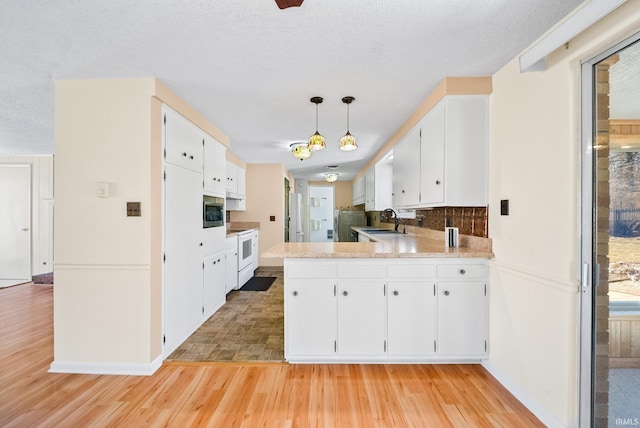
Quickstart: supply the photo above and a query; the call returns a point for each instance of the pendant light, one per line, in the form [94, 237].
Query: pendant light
[331, 176]
[348, 142]
[300, 150]
[316, 141]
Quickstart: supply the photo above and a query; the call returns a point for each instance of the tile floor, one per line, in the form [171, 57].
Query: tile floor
[249, 327]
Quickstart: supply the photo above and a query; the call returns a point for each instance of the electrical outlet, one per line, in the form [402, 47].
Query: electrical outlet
[272, 218]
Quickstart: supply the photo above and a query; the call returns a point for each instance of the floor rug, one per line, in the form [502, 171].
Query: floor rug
[258, 283]
[45, 278]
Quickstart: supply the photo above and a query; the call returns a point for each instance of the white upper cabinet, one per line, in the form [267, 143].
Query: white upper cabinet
[454, 153]
[359, 190]
[406, 169]
[183, 142]
[378, 186]
[443, 160]
[214, 176]
[236, 181]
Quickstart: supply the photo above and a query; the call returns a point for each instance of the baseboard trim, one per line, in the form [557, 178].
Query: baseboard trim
[122, 369]
[534, 407]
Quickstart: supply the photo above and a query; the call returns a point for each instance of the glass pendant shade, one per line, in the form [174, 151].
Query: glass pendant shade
[331, 176]
[301, 151]
[348, 142]
[316, 141]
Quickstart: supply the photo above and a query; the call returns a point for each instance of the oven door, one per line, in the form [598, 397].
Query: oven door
[245, 249]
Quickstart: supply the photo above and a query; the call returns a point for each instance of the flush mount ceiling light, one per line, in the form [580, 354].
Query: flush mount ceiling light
[316, 141]
[348, 142]
[300, 150]
[331, 176]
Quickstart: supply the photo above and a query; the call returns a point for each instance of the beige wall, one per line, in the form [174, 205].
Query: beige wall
[108, 267]
[265, 197]
[535, 158]
[102, 257]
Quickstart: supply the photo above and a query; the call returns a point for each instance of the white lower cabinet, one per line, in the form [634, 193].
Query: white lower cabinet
[311, 305]
[386, 310]
[411, 319]
[462, 314]
[231, 267]
[213, 283]
[361, 317]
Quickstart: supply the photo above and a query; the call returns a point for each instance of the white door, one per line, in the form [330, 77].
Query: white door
[432, 156]
[462, 318]
[361, 318]
[213, 290]
[183, 265]
[311, 318]
[321, 209]
[411, 318]
[15, 222]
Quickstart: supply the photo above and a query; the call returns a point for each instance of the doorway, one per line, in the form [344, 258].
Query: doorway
[15, 224]
[321, 208]
[610, 350]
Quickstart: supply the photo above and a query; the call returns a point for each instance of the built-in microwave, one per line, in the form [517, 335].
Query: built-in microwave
[212, 211]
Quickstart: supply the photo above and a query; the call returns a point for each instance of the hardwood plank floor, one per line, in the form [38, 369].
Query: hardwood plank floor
[234, 394]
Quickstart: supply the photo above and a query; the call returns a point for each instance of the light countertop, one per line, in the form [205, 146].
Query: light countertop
[390, 246]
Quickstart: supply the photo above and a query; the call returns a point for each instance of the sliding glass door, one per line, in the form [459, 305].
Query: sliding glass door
[610, 349]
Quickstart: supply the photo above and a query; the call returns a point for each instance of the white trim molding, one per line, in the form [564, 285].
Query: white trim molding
[123, 369]
[534, 407]
[571, 287]
[534, 58]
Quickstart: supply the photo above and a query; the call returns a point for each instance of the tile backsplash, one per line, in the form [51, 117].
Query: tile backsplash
[471, 221]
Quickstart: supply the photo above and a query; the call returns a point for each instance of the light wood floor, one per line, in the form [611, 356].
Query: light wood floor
[233, 394]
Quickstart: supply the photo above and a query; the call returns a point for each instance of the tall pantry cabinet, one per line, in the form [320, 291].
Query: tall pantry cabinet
[193, 257]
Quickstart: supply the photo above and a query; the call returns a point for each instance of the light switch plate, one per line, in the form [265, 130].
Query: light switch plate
[504, 207]
[133, 209]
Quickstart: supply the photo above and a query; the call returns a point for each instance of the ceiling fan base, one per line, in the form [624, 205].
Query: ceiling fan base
[283, 4]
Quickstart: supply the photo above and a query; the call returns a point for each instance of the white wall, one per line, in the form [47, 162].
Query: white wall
[535, 158]
[41, 210]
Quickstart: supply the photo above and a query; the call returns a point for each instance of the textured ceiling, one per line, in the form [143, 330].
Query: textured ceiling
[251, 68]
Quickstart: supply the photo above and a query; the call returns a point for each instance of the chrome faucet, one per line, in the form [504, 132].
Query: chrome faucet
[395, 214]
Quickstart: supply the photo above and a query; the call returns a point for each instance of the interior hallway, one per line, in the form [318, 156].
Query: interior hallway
[234, 394]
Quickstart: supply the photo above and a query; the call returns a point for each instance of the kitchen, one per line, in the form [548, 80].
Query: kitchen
[526, 168]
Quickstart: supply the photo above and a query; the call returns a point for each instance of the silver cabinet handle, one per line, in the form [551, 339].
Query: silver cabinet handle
[395, 292]
[295, 293]
[462, 271]
[345, 293]
[25, 229]
[446, 292]
[437, 182]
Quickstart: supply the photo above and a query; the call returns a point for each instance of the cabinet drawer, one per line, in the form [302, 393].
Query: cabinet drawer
[362, 271]
[412, 271]
[462, 271]
[311, 271]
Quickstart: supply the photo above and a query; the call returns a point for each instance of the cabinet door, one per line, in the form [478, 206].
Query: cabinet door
[462, 318]
[411, 318]
[241, 176]
[183, 142]
[358, 189]
[406, 170]
[232, 179]
[183, 261]
[231, 269]
[370, 189]
[214, 177]
[361, 318]
[310, 317]
[214, 294]
[432, 156]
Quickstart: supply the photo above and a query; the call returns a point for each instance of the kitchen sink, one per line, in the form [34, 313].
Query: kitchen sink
[378, 231]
